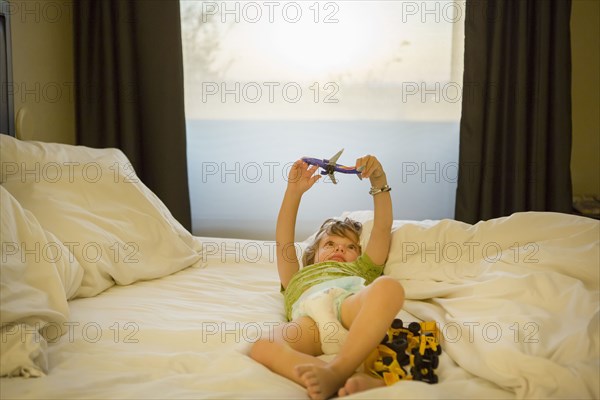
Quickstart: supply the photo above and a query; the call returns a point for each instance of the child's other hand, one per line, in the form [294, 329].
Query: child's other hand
[302, 177]
[372, 169]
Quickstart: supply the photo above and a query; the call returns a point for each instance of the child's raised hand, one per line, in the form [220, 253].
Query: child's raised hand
[302, 177]
[372, 169]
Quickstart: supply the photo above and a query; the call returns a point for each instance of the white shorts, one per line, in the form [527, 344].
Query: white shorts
[323, 304]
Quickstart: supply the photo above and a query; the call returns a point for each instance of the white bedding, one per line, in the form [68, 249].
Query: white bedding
[175, 337]
[516, 298]
[184, 335]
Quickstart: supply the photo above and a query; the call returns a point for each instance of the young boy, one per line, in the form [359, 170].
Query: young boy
[338, 305]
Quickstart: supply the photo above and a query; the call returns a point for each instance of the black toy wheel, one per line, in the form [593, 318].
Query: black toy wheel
[403, 359]
[397, 324]
[430, 379]
[414, 328]
[429, 360]
[415, 374]
[398, 345]
[418, 358]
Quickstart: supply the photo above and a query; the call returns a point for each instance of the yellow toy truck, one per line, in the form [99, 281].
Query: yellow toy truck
[415, 348]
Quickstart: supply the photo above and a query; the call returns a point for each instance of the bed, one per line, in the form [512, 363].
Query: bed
[105, 295]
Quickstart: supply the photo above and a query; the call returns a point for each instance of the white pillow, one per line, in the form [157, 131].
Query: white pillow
[454, 251]
[366, 218]
[37, 270]
[93, 201]
[37, 275]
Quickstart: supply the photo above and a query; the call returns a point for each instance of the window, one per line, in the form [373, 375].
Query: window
[269, 82]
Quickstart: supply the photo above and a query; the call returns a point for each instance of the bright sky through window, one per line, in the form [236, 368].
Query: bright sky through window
[287, 58]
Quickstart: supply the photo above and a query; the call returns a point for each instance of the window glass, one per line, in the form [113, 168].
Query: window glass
[269, 82]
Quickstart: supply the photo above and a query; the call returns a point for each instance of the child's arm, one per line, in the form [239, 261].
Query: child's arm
[379, 242]
[300, 179]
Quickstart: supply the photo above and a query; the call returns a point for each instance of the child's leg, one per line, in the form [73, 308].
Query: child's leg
[294, 343]
[368, 314]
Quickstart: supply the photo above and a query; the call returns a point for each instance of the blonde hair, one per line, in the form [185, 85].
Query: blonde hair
[346, 228]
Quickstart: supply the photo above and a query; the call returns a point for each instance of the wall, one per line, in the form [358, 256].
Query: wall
[585, 44]
[43, 70]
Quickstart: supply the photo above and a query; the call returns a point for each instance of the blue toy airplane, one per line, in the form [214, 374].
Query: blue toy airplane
[330, 167]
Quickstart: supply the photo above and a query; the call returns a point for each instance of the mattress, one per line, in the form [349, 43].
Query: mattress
[186, 335]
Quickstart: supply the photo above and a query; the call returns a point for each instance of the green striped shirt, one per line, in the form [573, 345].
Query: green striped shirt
[307, 277]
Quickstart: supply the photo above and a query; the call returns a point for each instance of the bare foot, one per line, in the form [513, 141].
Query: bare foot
[360, 382]
[321, 382]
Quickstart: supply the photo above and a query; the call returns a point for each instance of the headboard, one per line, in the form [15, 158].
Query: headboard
[7, 115]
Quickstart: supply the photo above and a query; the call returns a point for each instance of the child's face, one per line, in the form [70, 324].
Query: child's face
[337, 248]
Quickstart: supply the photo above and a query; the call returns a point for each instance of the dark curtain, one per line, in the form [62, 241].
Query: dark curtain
[129, 73]
[515, 129]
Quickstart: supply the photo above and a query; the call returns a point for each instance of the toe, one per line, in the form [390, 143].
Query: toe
[302, 369]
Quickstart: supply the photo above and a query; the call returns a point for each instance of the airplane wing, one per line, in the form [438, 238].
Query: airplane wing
[333, 160]
[332, 176]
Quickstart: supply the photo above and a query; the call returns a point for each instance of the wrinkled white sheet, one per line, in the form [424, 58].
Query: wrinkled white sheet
[516, 298]
[33, 290]
[534, 328]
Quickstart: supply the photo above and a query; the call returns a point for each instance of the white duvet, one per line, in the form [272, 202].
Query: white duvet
[520, 319]
[516, 298]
